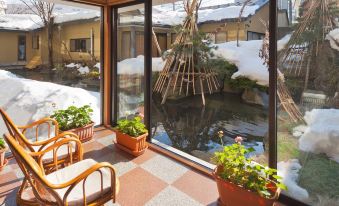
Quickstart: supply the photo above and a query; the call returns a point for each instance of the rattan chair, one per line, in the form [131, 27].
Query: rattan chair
[83, 183]
[67, 154]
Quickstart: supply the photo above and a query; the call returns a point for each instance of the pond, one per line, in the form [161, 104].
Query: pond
[190, 127]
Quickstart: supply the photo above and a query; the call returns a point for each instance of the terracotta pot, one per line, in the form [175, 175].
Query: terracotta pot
[85, 133]
[233, 195]
[3, 160]
[135, 144]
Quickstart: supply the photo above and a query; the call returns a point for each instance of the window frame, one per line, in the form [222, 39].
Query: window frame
[78, 43]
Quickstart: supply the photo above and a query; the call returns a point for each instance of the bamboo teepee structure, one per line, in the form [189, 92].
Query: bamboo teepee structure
[181, 74]
[310, 33]
[285, 98]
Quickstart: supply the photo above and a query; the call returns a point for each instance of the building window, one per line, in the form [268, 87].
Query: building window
[35, 42]
[254, 35]
[22, 48]
[81, 45]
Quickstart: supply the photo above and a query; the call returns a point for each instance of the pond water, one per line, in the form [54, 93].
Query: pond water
[190, 127]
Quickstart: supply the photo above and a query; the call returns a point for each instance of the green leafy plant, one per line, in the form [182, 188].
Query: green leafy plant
[73, 117]
[236, 167]
[133, 127]
[2, 143]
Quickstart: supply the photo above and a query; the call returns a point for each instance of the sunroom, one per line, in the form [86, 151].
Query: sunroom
[169, 102]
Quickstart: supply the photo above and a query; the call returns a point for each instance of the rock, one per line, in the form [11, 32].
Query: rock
[231, 90]
[254, 96]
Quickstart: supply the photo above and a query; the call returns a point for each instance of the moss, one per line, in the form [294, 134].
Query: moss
[319, 175]
[245, 83]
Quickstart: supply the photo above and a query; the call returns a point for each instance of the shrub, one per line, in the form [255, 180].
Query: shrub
[246, 83]
[2, 143]
[73, 117]
[133, 127]
[237, 168]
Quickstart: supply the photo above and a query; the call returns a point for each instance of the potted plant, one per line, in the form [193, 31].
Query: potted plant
[77, 120]
[241, 181]
[131, 135]
[3, 149]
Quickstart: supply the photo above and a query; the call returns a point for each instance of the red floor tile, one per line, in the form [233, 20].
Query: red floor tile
[137, 187]
[8, 185]
[199, 187]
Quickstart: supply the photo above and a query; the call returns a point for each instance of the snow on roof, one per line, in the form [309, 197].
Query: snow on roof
[23, 22]
[211, 3]
[62, 13]
[229, 12]
[247, 59]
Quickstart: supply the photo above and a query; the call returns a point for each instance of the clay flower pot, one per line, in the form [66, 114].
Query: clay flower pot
[234, 195]
[3, 160]
[85, 133]
[133, 145]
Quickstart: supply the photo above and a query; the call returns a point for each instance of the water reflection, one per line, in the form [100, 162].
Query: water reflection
[186, 125]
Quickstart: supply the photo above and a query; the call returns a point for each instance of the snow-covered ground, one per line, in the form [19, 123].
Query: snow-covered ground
[28, 100]
[321, 134]
[289, 171]
[136, 65]
[247, 59]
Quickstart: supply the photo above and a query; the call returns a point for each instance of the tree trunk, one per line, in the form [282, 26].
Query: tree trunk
[50, 44]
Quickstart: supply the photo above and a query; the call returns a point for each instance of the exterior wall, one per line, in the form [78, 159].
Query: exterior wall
[255, 22]
[76, 30]
[282, 19]
[223, 32]
[9, 47]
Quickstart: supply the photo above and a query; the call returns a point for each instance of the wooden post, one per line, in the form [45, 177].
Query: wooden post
[107, 65]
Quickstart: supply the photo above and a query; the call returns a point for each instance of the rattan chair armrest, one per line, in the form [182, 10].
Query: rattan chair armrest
[54, 147]
[43, 143]
[46, 120]
[38, 122]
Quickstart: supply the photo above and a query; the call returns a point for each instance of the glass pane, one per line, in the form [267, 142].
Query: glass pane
[131, 60]
[308, 132]
[39, 84]
[204, 83]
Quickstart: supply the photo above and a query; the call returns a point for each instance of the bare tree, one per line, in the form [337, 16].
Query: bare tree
[45, 11]
[239, 19]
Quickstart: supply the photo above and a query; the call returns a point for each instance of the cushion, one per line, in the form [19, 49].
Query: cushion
[92, 185]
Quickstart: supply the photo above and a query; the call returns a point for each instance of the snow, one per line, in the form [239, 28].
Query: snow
[136, 65]
[289, 171]
[321, 134]
[246, 58]
[283, 42]
[28, 100]
[23, 22]
[84, 70]
[97, 65]
[230, 12]
[72, 65]
[333, 37]
[211, 3]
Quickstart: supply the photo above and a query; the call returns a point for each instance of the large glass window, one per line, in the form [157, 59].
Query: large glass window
[42, 68]
[131, 80]
[205, 81]
[308, 131]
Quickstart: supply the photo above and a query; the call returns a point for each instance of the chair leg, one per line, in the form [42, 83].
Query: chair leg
[19, 200]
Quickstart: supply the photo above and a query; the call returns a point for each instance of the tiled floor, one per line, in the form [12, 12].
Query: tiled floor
[151, 179]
